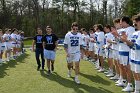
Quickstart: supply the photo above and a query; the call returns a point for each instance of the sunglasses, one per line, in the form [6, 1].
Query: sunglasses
[75, 28]
[48, 29]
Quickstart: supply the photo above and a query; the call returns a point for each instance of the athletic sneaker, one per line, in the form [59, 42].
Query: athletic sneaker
[128, 88]
[93, 60]
[116, 77]
[101, 70]
[97, 68]
[121, 84]
[118, 81]
[7, 60]
[77, 80]
[107, 72]
[110, 75]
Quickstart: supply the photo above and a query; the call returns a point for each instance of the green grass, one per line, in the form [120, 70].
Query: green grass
[21, 77]
[28, 42]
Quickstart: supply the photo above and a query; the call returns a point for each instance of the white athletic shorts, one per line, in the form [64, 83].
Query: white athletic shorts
[135, 66]
[124, 57]
[74, 57]
[124, 60]
[100, 51]
[13, 44]
[108, 53]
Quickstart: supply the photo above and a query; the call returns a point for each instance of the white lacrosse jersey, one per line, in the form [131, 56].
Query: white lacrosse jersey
[74, 41]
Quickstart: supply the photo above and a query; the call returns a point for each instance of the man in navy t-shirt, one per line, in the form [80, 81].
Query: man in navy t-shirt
[39, 48]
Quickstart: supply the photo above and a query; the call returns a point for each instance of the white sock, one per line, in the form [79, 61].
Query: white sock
[137, 86]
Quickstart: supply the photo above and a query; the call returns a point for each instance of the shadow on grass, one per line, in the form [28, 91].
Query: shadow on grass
[96, 79]
[11, 64]
[71, 84]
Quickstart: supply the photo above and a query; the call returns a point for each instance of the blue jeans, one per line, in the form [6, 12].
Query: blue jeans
[39, 52]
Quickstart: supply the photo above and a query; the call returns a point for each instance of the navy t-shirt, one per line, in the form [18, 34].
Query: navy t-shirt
[50, 41]
[39, 42]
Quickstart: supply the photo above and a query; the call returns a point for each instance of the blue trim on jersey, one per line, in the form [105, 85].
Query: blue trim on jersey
[137, 47]
[135, 62]
[123, 53]
[131, 60]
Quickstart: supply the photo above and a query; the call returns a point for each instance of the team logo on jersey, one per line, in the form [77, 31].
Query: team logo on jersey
[49, 40]
[39, 39]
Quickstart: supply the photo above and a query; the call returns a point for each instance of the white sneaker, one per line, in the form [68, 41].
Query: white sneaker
[7, 60]
[101, 70]
[110, 75]
[97, 68]
[118, 81]
[116, 77]
[77, 81]
[121, 84]
[107, 72]
[128, 88]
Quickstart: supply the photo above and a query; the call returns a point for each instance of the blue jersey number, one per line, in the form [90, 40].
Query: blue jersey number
[74, 42]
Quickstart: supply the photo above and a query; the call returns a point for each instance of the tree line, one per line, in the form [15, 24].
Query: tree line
[27, 15]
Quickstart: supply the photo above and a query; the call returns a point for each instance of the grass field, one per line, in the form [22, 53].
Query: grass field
[28, 42]
[21, 76]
